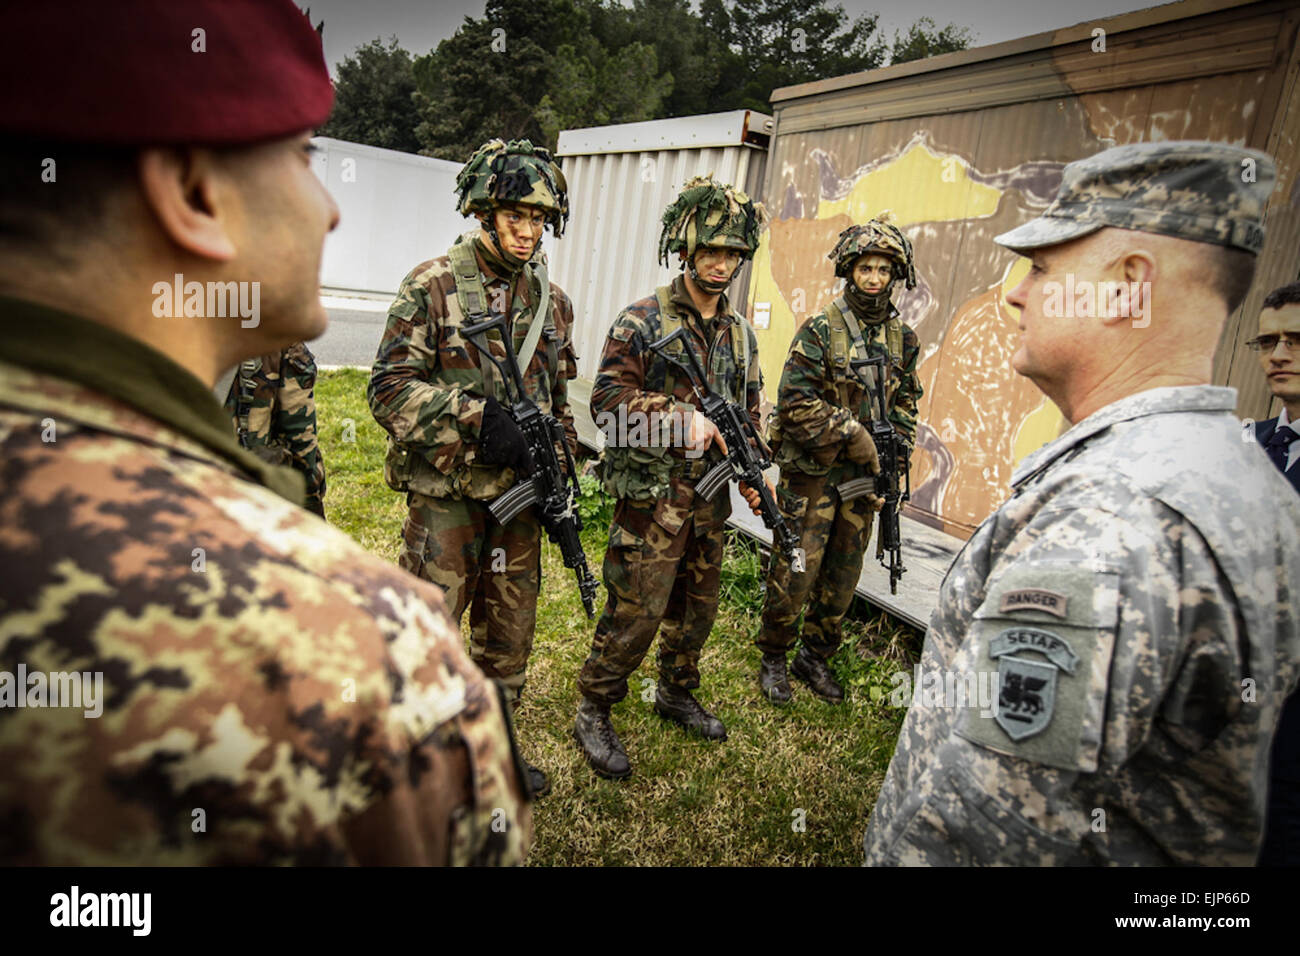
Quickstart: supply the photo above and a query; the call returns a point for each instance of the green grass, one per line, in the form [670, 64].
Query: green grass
[688, 801]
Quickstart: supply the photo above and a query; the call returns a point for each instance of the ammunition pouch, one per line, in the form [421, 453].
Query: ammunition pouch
[406, 469]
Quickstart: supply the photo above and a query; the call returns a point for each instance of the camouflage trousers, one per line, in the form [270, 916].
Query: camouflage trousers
[653, 576]
[494, 570]
[834, 537]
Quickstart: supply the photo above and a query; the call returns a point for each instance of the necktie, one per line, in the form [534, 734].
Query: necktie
[1278, 444]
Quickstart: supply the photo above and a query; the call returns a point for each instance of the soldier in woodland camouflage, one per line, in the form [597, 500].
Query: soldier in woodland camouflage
[664, 559]
[271, 692]
[454, 447]
[272, 406]
[1136, 597]
[820, 437]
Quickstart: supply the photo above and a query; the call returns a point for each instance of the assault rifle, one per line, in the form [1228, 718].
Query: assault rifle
[552, 486]
[893, 471]
[747, 455]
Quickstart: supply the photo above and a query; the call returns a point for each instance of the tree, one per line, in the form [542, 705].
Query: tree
[489, 78]
[622, 88]
[528, 69]
[373, 98]
[924, 38]
[685, 50]
[775, 43]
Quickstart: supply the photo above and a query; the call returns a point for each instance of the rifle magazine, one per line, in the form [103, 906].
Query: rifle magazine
[506, 506]
[713, 481]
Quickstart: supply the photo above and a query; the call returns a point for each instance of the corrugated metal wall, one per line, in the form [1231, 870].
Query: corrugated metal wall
[607, 256]
[954, 177]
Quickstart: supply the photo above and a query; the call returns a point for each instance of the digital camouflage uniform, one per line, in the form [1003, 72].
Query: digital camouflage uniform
[819, 401]
[1136, 598]
[664, 559]
[272, 406]
[1133, 565]
[272, 693]
[427, 389]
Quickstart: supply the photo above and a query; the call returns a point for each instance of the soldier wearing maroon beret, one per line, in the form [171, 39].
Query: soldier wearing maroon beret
[194, 669]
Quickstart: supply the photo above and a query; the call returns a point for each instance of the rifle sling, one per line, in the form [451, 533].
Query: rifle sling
[529, 347]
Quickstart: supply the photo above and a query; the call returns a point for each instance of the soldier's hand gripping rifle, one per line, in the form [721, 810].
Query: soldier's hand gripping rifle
[747, 455]
[894, 483]
[553, 485]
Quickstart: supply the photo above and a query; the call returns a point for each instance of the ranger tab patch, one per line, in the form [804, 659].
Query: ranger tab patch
[1027, 685]
[1035, 599]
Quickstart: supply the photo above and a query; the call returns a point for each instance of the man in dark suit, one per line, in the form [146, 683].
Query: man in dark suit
[1278, 344]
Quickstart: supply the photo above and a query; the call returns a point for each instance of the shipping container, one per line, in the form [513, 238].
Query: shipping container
[621, 179]
[961, 147]
[396, 210]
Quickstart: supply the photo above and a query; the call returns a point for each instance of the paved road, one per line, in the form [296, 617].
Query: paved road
[351, 339]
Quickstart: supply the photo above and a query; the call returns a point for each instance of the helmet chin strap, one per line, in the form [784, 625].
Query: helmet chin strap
[706, 285]
[490, 225]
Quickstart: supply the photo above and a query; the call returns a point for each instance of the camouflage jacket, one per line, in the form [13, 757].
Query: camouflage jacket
[273, 409]
[267, 691]
[820, 396]
[427, 386]
[644, 425]
[1135, 600]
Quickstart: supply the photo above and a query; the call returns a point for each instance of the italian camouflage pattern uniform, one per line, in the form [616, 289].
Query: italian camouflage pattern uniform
[1135, 598]
[273, 408]
[1157, 572]
[271, 693]
[664, 559]
[427, 390]
[819, 401]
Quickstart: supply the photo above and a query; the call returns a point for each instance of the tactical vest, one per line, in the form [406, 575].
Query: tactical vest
[791, 455]
[406, 468]
[645, 472]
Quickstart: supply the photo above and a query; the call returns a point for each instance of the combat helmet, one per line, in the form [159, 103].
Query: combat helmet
[875, 236]
[514, 172]
[709, 213]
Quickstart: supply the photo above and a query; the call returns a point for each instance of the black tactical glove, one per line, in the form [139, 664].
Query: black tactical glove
[500, 441]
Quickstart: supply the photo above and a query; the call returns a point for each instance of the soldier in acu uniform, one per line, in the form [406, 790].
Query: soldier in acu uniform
[820, 437]
[1135, 599]
[273, 408]
[454, 446]
[664, 558]
[245, 684]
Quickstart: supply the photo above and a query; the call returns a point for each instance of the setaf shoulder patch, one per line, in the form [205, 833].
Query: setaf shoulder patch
[1043, 640]
[1027, 683]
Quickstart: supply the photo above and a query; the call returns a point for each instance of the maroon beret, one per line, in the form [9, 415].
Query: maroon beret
[161, 71]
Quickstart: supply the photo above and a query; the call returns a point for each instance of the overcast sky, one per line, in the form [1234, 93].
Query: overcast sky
[419, 25]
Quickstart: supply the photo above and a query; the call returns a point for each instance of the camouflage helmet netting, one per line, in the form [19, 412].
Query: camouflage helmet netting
[879, 237]
[709, 213]
[514, 172]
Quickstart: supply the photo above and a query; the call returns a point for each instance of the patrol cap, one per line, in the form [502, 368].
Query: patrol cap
[1206, 192]
[128, 72]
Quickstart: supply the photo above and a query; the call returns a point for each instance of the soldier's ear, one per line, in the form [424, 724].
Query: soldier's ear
[191, 199]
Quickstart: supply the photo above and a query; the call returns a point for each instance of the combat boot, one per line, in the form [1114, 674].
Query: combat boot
[812, 670]
[677, 704]
[595, 735]
[773, 678]
[537, 780]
